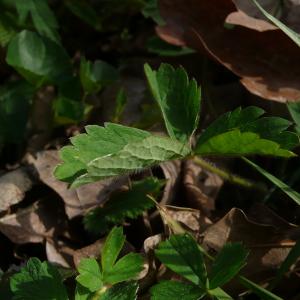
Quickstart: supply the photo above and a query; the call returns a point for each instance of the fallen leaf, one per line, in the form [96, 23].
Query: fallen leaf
[13, 186]
[267, 62]
[77, 201]
[33, 224]
[201, 187]
[269, 244]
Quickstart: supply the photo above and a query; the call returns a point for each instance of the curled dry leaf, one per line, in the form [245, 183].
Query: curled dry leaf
[13, 186]
[77, 201]
[33, 224]
[269, 243]
[267, 62]
[201, 187]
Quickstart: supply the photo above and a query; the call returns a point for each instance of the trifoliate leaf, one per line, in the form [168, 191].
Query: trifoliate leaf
[38, 281]
[126, 268]
[227, 264]
[178, 98]
[114, 150]
[176, 290]
[90, 275]
[112, 248]
[95, 76]
[121, 291]
[126, 204]
[181, 254]
[242, 132]
[38, 59]
[43, 18]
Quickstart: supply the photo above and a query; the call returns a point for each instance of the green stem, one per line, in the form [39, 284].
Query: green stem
[228, 176]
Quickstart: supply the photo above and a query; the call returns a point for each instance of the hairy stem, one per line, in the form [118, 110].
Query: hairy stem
[228, 176]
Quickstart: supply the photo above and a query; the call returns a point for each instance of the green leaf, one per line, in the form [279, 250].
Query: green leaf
[219, 294]
[95, 76]
[38, 59]
[8, 27]
[112, 247]
[121, 101]
[114, 150]
[90, 275]
[15, 100]
[178, 97]
[176, 290]
[160, 47]
[181, 254]
[43, 18]
[243, 132]
[84, 11]
[227, 264]
[38, 281]
[291, 259]
[126, 204]
[294, 109]
[258, 290]
[82, 293]
[151, 10]
[121, 291]
[294, 36]
[284, 187]
[126, 268]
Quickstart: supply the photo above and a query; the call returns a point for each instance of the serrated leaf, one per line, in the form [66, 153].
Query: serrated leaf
[227, 264]
[242, 132]
[90, 275]
[280, 184]
[258, 290]
[181, 254]
[178, 97]
[126, 204]
[111, 249]
[126, 268]
[121, 291]
[95, 76]
[38, 281]
[294, 36]
[176, 290]
[38, 59]
[43, 18]
[114, 150]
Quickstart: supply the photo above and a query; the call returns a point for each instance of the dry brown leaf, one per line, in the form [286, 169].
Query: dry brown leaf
[269, 243]
[267, 62]
[201, 187]
[13, 186]
[33, 224]
[80, 200]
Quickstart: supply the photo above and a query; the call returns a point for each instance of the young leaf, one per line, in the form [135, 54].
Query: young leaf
[90, 275]
[114, 150]
[258, 290]
[38, 59]
[242, 132]
[38, 281]
[97, 75]
[121, 291]
[126, 268]
[227, 264]
[292, 257]
[112, 247]
[181, 254]
[284, 187]
[294, 36]
[176, 290]
[178, 97]
[126, 204]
